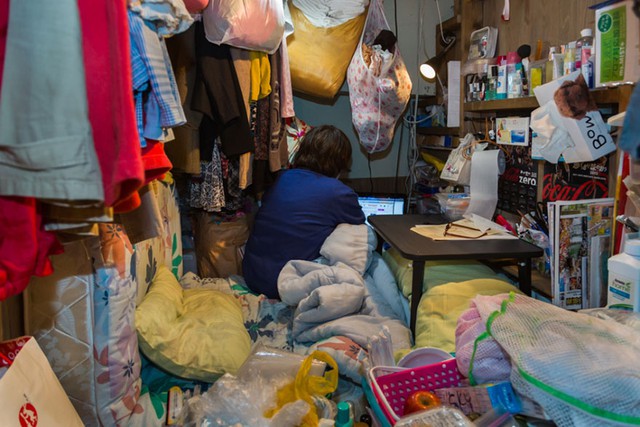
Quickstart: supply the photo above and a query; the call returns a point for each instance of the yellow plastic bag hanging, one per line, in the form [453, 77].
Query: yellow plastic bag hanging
[305, 386]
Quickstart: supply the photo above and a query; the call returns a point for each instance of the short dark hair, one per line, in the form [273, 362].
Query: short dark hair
[324, 149]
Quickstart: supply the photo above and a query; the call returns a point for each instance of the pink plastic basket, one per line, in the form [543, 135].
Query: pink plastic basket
[392, 385]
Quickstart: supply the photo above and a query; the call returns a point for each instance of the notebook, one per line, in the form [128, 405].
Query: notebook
[377, 205]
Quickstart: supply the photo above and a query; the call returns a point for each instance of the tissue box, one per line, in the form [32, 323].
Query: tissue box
[617, 45]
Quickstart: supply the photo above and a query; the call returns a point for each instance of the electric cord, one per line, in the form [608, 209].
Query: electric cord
[370, 174]
[395, 17]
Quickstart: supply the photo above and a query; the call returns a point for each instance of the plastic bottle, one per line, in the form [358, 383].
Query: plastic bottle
[585, 46]
[515, 82]
[501, 90]
[623, 288]
[570, 58]
[513, 74]
[344, 418]
[492, 85]
[585, 40]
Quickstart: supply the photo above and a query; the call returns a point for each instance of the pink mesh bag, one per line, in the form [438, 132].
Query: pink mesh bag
[379, 89]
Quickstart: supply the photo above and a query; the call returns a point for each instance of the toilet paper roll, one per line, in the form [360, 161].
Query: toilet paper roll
[486, 167]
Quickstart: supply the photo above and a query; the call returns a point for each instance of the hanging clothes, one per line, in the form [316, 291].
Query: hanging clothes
[217, 95]
[278, 153]
[242, 65]
[260, 75]
[105, 41]
[45, 134]
[157, 100]
[169, 17]
[286, 90]
[156, 165]
[207, 191]
[25, 246]
[184, 151]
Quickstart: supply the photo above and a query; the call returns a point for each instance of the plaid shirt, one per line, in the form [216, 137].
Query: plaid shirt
[155, 91]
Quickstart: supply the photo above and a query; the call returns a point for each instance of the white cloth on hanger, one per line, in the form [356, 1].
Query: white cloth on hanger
[330, 13]
[169, 16]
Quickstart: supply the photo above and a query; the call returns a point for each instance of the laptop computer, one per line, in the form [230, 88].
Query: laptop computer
[381, 205]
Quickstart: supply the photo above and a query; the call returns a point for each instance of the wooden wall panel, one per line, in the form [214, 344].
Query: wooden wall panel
[552, 21]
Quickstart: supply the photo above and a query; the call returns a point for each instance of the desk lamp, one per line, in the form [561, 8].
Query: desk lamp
[428, 68]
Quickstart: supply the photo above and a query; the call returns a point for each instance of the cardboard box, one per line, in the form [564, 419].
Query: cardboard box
[617, 45]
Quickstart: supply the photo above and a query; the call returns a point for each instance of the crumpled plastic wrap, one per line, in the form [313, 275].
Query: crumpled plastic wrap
[233, 402]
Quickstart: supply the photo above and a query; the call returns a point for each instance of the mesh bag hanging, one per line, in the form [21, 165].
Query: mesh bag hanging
[582, 370]
[378, 91]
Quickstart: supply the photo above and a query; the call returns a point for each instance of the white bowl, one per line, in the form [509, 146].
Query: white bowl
[423, 356]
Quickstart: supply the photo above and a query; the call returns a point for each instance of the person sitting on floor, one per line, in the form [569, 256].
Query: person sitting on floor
[301, 209]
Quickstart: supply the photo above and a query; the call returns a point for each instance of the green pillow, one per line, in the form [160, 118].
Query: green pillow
[436, 273]
[441, 306]
[197, 334]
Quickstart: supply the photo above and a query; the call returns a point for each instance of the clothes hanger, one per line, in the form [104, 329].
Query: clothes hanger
[486, 139]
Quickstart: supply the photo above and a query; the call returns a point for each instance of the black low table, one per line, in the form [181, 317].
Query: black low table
[396, 231]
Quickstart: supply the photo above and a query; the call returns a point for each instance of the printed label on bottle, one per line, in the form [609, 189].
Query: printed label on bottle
[621, 291]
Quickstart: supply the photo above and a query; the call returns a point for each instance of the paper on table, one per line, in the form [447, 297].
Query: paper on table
[486, 166]
[436, 232]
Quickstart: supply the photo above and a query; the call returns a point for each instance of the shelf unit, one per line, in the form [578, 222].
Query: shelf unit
[562, 22]
[437, 131]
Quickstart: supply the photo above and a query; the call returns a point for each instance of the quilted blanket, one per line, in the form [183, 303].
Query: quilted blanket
[348, 292]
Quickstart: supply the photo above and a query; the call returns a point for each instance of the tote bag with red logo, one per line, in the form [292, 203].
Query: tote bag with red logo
[31, 393]
[378, 90]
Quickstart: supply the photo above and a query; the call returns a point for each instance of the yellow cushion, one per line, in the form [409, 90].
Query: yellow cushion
[441, 306]
[196, 334]
[436, 273]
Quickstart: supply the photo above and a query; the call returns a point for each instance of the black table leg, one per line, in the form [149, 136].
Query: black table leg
[416, 293]
[524, 275]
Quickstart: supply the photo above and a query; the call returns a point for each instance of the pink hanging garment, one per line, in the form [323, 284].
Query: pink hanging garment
[379, 89]
[107, 63]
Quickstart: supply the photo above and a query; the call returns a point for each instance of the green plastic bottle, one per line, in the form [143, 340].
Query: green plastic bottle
[345, 415]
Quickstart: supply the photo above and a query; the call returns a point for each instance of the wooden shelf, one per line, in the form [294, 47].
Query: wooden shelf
[613, 95]
[525, 103]
[436, 147]
[438, 131]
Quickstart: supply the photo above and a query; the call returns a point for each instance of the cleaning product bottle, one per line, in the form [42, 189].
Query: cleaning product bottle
[623, 289]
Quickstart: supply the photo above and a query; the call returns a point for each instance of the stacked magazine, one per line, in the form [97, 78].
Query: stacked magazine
[580, 236]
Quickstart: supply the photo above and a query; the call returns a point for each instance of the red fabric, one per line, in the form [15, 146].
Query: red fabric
[107, 63]
[195, 6]
[156, 164]
[24, 245]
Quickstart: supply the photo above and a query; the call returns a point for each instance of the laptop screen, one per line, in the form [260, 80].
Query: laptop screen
[374, 205]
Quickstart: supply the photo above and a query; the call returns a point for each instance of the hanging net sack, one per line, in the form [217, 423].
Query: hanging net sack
[582, 370]
[379, 87]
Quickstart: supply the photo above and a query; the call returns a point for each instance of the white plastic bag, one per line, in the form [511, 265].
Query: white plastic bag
[457, 170]
[255, 25]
